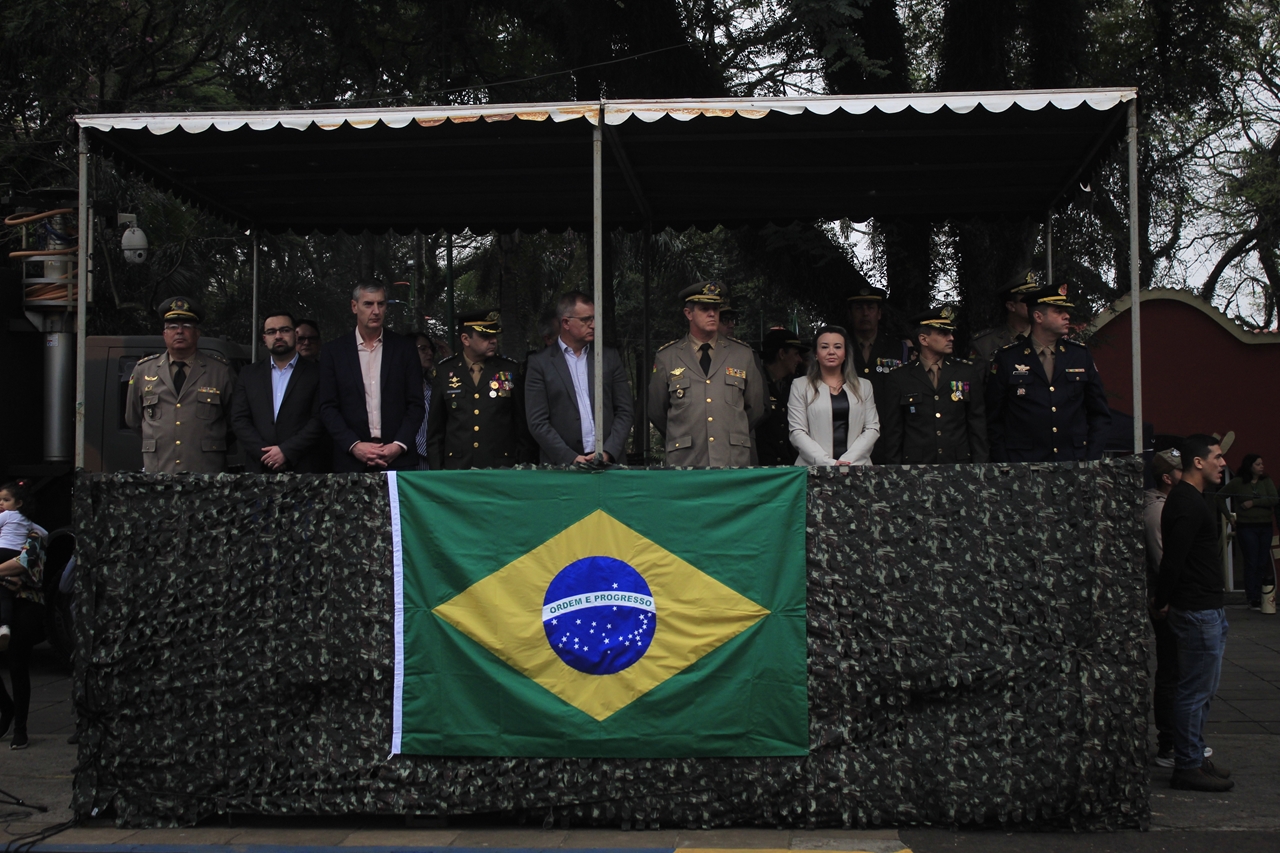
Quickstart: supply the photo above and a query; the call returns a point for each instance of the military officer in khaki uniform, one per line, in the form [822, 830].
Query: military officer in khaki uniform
[179, 400]
[706, 393]
[933, 408]
[1016, 325]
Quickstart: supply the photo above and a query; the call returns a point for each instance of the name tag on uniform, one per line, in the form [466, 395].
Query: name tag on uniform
[733, 371]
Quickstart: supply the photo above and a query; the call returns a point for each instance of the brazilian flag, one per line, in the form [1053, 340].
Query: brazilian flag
[600, 614]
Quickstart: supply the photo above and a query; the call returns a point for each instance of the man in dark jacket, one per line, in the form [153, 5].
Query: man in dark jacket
[1189, 592]
[560, 391]
[275, 411]
[371, 391]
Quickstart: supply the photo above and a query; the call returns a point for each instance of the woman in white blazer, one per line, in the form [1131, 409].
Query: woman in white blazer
[832, 413]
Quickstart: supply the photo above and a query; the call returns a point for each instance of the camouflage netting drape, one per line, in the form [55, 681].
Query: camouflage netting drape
[977, 654]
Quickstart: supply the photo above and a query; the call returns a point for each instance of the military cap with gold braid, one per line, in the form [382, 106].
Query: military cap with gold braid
[180, 308]
[484, 322]
[1048, 296]
[705, 291]
[942, 318]
[1014, 290]
[869, 293]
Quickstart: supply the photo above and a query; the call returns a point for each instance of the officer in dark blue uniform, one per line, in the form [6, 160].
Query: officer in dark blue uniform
[1045, 401]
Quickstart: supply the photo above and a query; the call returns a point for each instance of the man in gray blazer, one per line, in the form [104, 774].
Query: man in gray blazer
[559, 389]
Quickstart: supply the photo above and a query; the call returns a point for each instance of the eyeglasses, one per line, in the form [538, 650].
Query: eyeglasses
[589, 320]
[302, 339]
[283, 330]
[174, 327]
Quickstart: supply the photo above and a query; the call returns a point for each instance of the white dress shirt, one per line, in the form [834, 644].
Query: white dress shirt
[371, 373]
[280, 377]
[582, 390]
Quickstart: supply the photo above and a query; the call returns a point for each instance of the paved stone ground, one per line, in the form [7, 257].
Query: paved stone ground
[1244, 731]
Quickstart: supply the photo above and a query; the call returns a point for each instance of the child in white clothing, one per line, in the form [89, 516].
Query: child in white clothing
[14, 528]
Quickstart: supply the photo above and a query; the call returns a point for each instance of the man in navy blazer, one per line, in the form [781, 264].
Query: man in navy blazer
[371, 391]
[275, 410]
[559, 390]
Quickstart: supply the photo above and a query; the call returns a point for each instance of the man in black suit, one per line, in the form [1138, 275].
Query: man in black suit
[371, 391]
[559, 390]
[275, 413]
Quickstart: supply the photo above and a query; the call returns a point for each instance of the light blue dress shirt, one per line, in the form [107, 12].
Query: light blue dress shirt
[280, 377]
[582, 390]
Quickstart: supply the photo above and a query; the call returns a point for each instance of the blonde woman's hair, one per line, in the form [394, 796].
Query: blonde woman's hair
[849, 371]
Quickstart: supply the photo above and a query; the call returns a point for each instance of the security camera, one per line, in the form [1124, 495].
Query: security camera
[134, 244]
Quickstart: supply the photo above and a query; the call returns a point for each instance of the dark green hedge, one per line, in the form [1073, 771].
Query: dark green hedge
[977, 654]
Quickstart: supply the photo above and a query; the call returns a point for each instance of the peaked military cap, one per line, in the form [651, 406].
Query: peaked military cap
[1049, 296]
[869, 293]
[180, 308]
[705, 291]
[943, 317]
[484, 322]
[776, 339]
[1023, 284]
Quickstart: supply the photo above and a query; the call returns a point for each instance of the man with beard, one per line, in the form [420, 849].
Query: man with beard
[275, 412]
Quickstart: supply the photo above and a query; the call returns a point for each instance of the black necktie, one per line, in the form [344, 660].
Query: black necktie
[179, 375]
[705, 361]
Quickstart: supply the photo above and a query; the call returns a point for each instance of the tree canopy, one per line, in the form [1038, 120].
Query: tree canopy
[1206, 70]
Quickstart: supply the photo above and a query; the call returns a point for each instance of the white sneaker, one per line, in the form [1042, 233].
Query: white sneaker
[4, 637]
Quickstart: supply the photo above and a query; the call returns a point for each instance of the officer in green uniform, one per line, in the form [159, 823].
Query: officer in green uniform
[706, 394]
[1016, 325]
[933, 408]
[783, 353]
[179, 400]
[874, 352]
[477, 417]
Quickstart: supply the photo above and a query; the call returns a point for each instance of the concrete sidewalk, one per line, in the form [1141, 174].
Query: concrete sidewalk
[1244, 731]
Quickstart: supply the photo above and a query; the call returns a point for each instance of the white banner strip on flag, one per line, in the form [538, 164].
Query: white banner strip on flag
[397, 550]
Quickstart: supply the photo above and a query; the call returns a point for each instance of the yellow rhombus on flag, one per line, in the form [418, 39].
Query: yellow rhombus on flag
[695, 614]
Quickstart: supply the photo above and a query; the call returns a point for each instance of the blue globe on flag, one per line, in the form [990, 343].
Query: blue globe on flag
[599, 615]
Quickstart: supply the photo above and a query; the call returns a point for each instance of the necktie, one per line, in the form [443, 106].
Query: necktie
[179, 375]
[933, 375]
[1046, 358]
[476, 370]
[705, 360]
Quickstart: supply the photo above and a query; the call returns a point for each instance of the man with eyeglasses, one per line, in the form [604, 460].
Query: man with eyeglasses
[275, 412]
[560, 391]
[178, 400]
[307, 332]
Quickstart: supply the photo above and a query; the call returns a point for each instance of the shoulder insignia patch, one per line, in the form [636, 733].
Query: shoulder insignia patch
[216, 356]
[667, 344]
[1075, 343]
[147, 358]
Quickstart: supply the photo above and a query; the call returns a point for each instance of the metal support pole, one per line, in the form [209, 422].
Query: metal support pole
[642, 395]
[82, 295]
[597, 263]
[253, 332]
[1048, 247]
[1135, 334]
[448, 287]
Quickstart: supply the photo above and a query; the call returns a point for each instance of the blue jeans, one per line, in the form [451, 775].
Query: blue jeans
[1202, 636]
[1255, 547]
